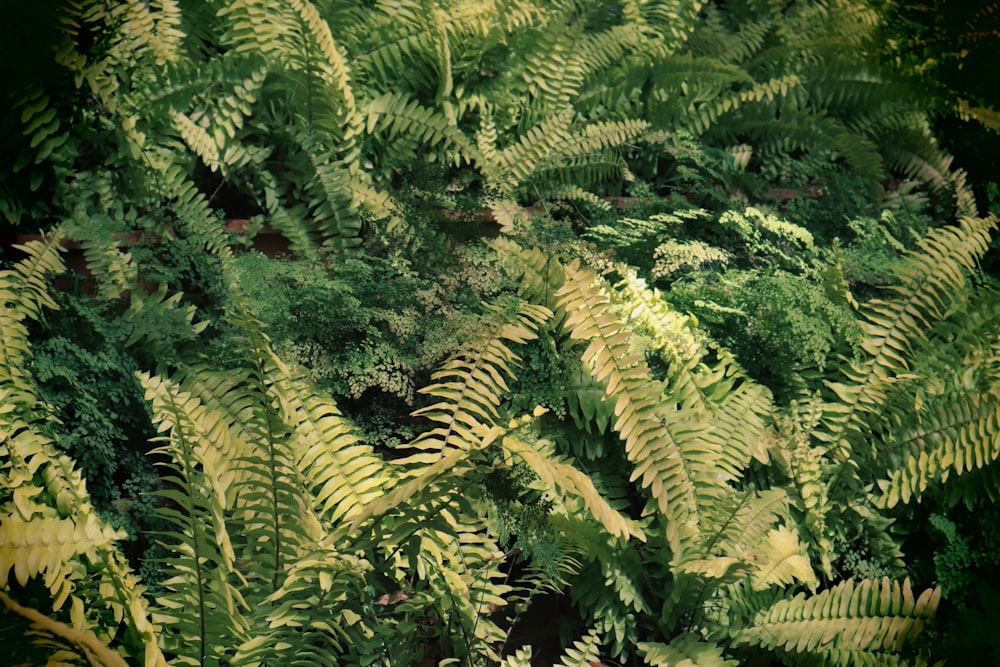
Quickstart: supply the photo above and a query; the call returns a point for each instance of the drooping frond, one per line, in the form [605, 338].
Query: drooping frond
[341, 472]
[48, 546]
[200, 604]
[737, 408]
[564, 479]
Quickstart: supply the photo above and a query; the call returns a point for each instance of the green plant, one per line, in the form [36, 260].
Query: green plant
[960, 552]
[584, 443]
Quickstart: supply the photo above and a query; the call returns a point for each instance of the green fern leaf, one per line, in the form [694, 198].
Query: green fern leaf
[50, 547]
[200, 605]
[958, 436]
[343, 474]
[686, 649]
[931, 279]
[563, 478]
[470, 386]
[850, 624]
[584, 652]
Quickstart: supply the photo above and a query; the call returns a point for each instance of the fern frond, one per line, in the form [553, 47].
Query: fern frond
[50, 546]
[45, 629]
[652, 443]
[741, 521]
[315, 616]
[737, 412]
[781, 560]
[955, 436]
[685, 649]
[50, 528]
[584, 652]
[409, 491]
[472, 386]
[931, 279]
[861, 623]
[26, 279]
[408, 126]
[341, 472]
[519, 658]
[519, 161]
[201, 606]
[560, 475]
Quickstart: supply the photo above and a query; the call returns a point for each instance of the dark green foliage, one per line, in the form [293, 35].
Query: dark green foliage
[960, 550]
[86, 373]
[873, 251]
[368, 329]
[358, 324]
[776, 323]
[952, 47]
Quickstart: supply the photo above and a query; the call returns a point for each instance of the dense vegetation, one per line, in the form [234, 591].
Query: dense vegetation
[639, 332]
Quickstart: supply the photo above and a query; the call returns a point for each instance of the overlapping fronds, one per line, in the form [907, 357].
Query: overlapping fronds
[652, 443]
[737, 409]
[49, 530]
[566, 480]
[402, 126]
[329, 624]
[209, 106]
[955, 436]
[296, 35]
[554, 70]
[340, 471]
[202, 608]
[932, 279]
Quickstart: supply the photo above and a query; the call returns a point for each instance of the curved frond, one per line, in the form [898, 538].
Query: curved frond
[202, 608]
[564, 479]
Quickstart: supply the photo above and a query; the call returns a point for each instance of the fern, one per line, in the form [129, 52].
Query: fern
[850, 624]
[949, 441]
[564, 480]
[49, 530]
[931, 279]
[201, 605]
[469, 398]
[686, 649]
[652, 443]
[583, 652]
